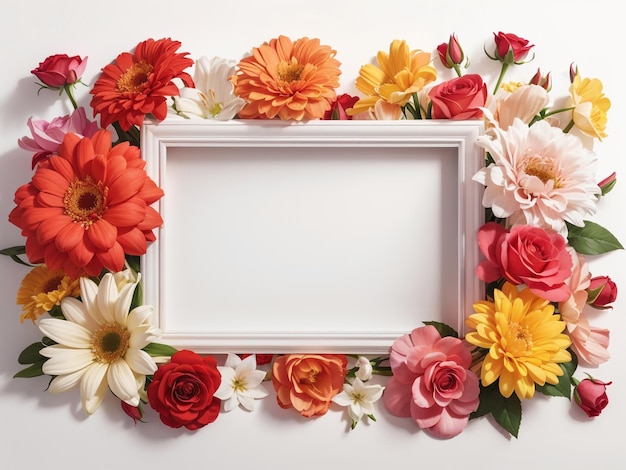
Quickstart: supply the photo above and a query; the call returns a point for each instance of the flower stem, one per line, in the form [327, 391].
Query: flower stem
[502, 72]
[70, 94]
[457, 69]
[569, 127]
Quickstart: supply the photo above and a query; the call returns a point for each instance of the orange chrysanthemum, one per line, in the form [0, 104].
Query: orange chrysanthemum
[87, 207]
[138, 84]
[289, 80]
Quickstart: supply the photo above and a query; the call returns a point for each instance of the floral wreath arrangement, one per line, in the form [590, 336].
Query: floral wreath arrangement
[87, 217]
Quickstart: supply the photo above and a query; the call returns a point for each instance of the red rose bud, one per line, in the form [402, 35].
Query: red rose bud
[134, 412]
[608, 183]
[59, 70]
[338, 108]
[260, 358]
[510, 49]
[573, 71]
[451, 54]
[590, 396]
[603, 292]
[540, 80]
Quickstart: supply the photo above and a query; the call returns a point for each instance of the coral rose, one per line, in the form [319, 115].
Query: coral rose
[182, 391]
[432, 382]
[308, 382]
[59, 70]
[526, 255]
[288, 79]
[459, 98]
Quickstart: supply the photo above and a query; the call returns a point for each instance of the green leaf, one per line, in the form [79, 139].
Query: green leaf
[443, 329]
[158, 349]
[34, 370]
[592, 239]
[30, 354]
[14, 251]
[564, 387]
[507, 412]
[607, 188]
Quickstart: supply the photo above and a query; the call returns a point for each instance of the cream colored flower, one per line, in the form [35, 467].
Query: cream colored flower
[360, 399]
[100, 344]
[523, 102]
[213, 96]
[241, 382]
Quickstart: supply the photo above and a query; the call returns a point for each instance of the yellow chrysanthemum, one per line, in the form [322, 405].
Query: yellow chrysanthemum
[399, 74]
[525, 340]
[590, 106]
[42, 289]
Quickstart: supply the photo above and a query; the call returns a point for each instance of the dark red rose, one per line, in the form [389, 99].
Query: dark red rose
[511, 48]
[590, 396]
[182, 391]
[338, 108]
[59, 70]
[607, 295]
[260, 358]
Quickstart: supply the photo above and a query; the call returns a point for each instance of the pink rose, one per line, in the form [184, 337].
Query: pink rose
[432, 382]
[47, 136]
[338, 107]
[590, 396]
[511, 48]
[60, 70]
[450, 53]
[527, 255]
[459, 98]
[607, 295]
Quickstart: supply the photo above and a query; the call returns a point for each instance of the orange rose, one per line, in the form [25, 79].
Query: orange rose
[308, 382]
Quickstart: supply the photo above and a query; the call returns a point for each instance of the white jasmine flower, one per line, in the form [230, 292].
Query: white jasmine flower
[364, 371]
[360, 399]
[100, 343]
[241, 382]
[214, 95]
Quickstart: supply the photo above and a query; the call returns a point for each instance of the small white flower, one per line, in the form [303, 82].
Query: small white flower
[241, 382]
[360, 399]
[213, 96]
[364, 371]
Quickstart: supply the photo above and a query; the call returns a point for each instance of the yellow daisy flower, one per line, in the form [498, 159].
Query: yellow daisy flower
[525, 340]
[42, 289]
[590, 106]
[399, 74]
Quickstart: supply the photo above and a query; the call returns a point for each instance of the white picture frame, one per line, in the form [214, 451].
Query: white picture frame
[317, 237]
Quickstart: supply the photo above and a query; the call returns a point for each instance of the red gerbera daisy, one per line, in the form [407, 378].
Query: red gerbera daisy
[88, 206]
[138, 84]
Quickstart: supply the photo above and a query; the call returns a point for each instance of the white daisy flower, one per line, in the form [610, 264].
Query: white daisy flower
[100, 343]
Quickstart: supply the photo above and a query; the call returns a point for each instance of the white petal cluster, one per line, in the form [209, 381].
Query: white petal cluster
[241, 383]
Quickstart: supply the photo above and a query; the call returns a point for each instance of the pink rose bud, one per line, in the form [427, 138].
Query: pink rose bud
[573, 71]
[59, 70]
[510, 49]
[451, 54]
[134, 412]
[544, 82]
[606, 291]
[590, 396]
[608, 183]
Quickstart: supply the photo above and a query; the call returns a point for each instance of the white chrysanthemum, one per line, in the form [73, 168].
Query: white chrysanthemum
[241, 382]
[100, 343]
[541, 176]
[213, 97]
[359, 398]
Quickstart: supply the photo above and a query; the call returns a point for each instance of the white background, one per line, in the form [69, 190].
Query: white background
[50, 431]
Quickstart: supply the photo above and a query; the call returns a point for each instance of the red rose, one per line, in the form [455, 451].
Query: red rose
[60, 70]
[607, 295]
[526, 255]
[182, 391]
[511, 48]
[450, 53]
[260, 358]
[590, 396]
[459, 98]
[338, 107]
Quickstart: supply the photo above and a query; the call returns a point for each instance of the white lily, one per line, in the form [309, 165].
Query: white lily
[100, 343]
[214, 95]
[360, 399]
[241, 382]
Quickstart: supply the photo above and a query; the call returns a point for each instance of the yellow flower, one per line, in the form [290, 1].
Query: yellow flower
[399, 74]
[525, 340]
[590, 106]
[42, 289]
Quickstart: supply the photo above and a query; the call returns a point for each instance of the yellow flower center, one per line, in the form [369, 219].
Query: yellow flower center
[110, 342]
[135, 79]
[239, 385]
[84, 202]
[311, 377]
[519, 340]
[543, 169]
[289, 72]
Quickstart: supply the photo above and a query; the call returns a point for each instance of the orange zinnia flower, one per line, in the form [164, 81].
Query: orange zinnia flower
[87, 207]
[138, 84]
[289, 80]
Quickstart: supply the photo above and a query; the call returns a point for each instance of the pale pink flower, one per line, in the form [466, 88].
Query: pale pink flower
[523, 103]
[590, 343]
[47, 136]
[540, 176]
[431, 382]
